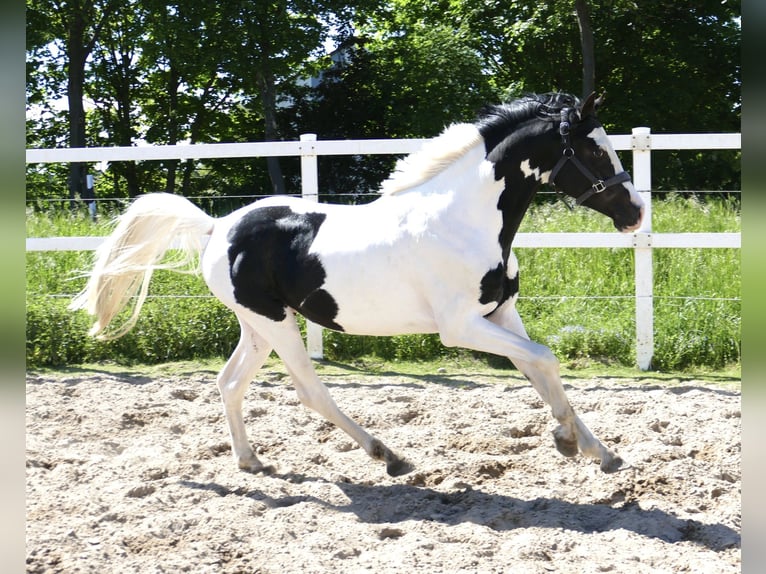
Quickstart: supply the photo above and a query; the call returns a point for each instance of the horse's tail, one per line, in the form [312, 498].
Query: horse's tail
[124, 263]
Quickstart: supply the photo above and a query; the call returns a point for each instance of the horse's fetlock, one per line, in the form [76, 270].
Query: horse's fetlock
[566, 441]
[379, 451]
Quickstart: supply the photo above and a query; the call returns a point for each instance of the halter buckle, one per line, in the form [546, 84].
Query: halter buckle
[599, 186]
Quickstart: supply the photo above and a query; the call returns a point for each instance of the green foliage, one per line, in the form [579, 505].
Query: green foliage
[409, 86]
[237, 71]
[577, 301]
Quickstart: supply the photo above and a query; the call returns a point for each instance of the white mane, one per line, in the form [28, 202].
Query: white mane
[420, 166]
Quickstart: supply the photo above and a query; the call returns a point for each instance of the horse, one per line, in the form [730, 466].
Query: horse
[431, 254]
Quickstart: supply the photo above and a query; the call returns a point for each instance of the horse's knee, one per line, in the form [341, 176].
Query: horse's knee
[544, 359]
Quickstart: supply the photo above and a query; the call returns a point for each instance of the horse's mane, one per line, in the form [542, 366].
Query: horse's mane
[493, 122]
[497, 121]
[420, 166]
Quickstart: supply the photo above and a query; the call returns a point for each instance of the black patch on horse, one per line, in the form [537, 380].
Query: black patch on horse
[497, 287]
[527, 120]
[271, 268]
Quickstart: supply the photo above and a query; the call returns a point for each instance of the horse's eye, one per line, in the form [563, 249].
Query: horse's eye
[599, 152]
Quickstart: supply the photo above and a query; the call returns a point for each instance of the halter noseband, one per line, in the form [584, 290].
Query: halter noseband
[568, 154]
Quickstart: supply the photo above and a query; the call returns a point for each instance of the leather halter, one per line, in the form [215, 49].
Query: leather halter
[568, 155]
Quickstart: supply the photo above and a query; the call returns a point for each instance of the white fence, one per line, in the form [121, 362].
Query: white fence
[643, 241]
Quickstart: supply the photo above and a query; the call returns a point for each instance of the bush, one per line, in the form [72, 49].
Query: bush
[567, 301]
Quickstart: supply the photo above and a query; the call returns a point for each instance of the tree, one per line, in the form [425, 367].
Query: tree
[77, 25]
[671, 65]
[586, 41]
[411, 85]
[187, 95]
[235, 71]
[275, 44]
[115, 87]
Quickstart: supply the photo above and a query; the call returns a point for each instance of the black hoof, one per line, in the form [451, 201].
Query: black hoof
[611, 465]
[395, 465]
[399, 467]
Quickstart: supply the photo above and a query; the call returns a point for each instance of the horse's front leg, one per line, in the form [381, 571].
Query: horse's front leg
[503, 334]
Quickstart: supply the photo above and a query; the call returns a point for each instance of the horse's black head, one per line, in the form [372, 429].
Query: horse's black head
[554, 138]
[589, 169]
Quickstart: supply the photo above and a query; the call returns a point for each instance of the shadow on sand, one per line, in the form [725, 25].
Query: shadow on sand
[391, 504]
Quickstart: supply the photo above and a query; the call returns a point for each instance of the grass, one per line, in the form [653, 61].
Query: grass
[577, 301]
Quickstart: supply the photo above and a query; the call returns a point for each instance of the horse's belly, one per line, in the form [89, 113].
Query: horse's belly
[366, 323]
[380, 308]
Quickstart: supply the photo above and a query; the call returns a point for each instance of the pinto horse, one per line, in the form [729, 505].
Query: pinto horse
[432, 254]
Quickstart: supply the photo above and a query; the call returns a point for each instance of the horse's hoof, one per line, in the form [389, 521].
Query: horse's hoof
[399, 467]
[395, 465]
[256, 467]
[566, 446]
[611, 464]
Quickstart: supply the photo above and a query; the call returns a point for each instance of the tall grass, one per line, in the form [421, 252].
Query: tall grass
[577, 301]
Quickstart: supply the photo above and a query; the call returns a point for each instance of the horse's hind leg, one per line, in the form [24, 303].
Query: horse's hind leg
[233, 380]
[288, 344]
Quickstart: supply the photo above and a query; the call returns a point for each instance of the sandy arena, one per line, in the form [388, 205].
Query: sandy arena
[134, 473]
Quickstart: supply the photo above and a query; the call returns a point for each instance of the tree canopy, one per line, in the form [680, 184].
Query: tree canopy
[101, 72]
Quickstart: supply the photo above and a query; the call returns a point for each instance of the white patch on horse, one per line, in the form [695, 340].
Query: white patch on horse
[599, 136]
[529, 171]
[432, 159]
[414, 234]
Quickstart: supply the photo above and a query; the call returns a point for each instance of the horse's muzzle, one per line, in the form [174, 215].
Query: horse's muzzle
[629, 227]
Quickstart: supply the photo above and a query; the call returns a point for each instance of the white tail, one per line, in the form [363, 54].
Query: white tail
[126, 260]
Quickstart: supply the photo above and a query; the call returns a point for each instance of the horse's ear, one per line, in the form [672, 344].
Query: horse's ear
[590, 105]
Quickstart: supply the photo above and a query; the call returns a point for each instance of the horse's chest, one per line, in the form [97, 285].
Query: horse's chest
[500, 283]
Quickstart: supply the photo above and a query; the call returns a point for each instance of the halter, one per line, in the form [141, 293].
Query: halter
[568, 155]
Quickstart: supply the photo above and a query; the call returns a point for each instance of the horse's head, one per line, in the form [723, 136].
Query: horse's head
[553, 138]
[589, 170]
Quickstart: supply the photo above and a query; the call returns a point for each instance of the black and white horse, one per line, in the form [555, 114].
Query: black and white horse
[431, 255]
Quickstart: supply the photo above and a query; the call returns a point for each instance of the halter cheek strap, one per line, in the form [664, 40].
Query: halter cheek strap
[597, 185]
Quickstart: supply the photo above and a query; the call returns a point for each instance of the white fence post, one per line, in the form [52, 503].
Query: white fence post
[310, 191]
[641, 143]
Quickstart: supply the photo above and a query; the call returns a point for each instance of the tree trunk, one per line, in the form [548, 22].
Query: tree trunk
[586, 41]
[78, 53]
[271, 131]
[124, 131]
[172, 165]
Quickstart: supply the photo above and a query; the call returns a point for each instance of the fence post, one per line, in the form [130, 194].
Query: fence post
[310, 191]
[641, 143]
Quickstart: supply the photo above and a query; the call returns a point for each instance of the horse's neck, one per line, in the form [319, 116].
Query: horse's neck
[514, 202]
[467, 192]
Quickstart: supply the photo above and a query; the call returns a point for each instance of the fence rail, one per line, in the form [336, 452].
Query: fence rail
[641, 142]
